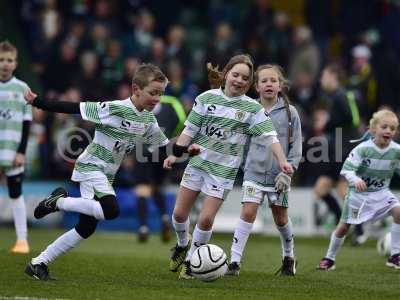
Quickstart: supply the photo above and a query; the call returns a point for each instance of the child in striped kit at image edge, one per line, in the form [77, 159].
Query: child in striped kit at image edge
[15, 119]
[369, 169]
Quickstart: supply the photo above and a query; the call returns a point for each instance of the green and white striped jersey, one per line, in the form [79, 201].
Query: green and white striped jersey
[221, 126]
[120, 128]
[13, 112]
[372, 164]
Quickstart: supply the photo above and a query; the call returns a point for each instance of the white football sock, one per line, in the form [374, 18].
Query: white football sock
[334, 246]
[61, 245]
[19, 214]
[200, 237]
[182, 232]
[287, 241]
[395, 245]
[84, 206]
[240, 236]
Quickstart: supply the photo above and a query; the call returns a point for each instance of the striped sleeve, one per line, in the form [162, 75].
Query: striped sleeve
[261, 124]
[195, 118]
[351, 165]
[353, 161]
[96, 112]
[155, 138]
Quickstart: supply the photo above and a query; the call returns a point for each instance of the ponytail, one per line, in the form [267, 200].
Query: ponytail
[214, 76]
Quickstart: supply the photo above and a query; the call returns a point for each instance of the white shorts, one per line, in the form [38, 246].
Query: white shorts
[198, 180]
[12, 171]
[255, 195]
[368, 206]
[96, 187]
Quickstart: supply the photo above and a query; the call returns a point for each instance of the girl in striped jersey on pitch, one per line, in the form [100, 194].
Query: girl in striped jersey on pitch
[220, 122]
[369, 169]
[263, 179]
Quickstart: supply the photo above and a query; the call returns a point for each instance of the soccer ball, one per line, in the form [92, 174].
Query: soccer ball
[208, 263]
[383, 245]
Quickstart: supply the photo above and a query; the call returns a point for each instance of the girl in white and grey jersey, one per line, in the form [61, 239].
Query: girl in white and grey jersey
[220, 122]
[262, 176]
[369, 169]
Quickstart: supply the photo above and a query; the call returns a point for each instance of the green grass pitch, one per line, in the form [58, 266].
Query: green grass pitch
[114, 266]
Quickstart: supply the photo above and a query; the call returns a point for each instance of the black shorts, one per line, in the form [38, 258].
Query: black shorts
[149, 173]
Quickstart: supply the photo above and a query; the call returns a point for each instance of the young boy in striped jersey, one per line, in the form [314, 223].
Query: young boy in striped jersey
[121, 126]
[220, 122]
[369, 170]
[15, 119]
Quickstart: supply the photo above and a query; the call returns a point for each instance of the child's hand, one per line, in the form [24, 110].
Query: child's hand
[169, 161]
[286, 168]
[29, 96]
[193, 149]
[361, 186]
[19, 160]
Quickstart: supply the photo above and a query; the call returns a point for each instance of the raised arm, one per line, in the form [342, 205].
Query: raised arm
[52, 106]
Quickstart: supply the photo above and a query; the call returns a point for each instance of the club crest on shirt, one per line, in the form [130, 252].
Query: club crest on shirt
[239, 115]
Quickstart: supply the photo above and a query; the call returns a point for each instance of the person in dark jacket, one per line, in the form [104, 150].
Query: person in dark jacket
[339, 125]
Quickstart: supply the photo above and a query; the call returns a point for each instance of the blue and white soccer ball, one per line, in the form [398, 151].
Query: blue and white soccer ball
[384, 243]
[208, 263]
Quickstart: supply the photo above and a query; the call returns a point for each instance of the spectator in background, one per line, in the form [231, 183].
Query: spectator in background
[362, 81]
[139, 38]
[157, 54]
[88, 80]
[305, 54]
[180, 85]
[65, 62]
[279, 39]
[303, 96]
[131, 64]
[99, 39]
[258, 20]
[320, 18]
[112, 66]
[176, 48]
[222, 45]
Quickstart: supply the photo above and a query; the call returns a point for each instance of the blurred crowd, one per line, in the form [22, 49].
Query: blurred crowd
[88, 50]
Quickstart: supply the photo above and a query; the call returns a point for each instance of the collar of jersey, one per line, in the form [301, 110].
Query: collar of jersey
[131, 105]
[380, 150]
[221, 92]
[9, 80]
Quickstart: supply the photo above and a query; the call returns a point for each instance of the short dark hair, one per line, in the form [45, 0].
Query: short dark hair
[147, 73]
[6, 46]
